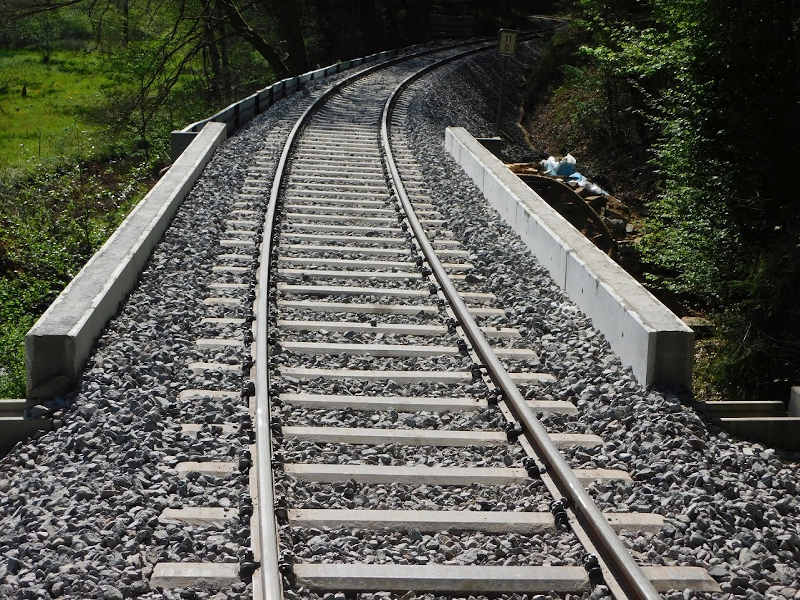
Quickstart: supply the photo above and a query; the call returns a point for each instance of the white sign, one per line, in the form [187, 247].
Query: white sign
[508, 42]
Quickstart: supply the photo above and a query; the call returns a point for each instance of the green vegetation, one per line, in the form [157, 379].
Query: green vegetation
[43, 109]
[706, 94]
[49, 226]
[90, 89]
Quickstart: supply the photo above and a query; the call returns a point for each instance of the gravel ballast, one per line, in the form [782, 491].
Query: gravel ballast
[731, 506]
[79, 506]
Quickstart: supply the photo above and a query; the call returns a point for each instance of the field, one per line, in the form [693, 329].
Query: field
[44, 109]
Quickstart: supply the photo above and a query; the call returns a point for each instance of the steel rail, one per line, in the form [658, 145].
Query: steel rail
[269, 576]
[622, 566]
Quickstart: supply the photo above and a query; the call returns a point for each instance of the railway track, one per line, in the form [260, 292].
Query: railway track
[386, 437]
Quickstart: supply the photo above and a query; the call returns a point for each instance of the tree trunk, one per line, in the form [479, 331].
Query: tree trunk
[288, 16]
[329, 48]
[224, 56]
[259, 43]
[213, 51]
[369, 25]
[125, 22]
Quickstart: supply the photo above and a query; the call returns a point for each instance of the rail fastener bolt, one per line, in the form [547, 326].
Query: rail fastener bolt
[494, 397]
[281, 511]
[559, 510]
[476, 372]
[245, 461]
[286, 569]
[247, 569]
[513, 431]
[462, 347]
[530, 465]
[592, 566]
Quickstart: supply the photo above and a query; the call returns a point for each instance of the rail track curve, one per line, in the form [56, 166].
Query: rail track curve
[346, 204]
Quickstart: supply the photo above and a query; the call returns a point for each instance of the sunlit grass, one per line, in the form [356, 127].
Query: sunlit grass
[48, 123]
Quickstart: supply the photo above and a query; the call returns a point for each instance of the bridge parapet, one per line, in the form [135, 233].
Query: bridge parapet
[57, 346]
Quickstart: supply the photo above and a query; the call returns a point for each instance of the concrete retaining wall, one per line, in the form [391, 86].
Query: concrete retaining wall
[239, 113]
[58, 344]
[644, 333]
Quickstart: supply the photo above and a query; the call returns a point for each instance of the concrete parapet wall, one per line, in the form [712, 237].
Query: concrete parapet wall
[242, 111]
[58, 344]
[644, 333]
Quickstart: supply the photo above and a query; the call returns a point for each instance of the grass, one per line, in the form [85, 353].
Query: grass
[61, 191]
[47, 124]
[50, 224]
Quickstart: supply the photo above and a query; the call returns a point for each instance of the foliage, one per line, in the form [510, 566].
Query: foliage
[50, 225]
[712, 89]
[47, 123]
[85, 81]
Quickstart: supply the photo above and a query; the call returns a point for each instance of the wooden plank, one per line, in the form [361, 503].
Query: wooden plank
[222, 301]
[355, 219]
[221, 285]
[641, 522]
[450, 377]
[194, 574]
[414, 475]
[211, 468]
[347, 290]
[385, 328]
[567, 440]
[680, 578]
[405, 437]
[313, 217]
[424, 437]
[344, 228]
[363, 327]
[242, 257]
[394, 350]
[339, 210]
[215, 343]
[198, 515]
[369, 349]
[344, 263]
[241, 223]
[440, 578]
[221, 321]
[401, 403]
[316, 201]
[195, 428]
[195, 394]
[359, 307]
[353, 185]
[425, 475]
[366, 250]
[199, 366]
[361, 239]
[424, 520]
[370, 275]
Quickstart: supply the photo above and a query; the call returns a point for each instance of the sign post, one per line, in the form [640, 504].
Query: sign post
[506, 46]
